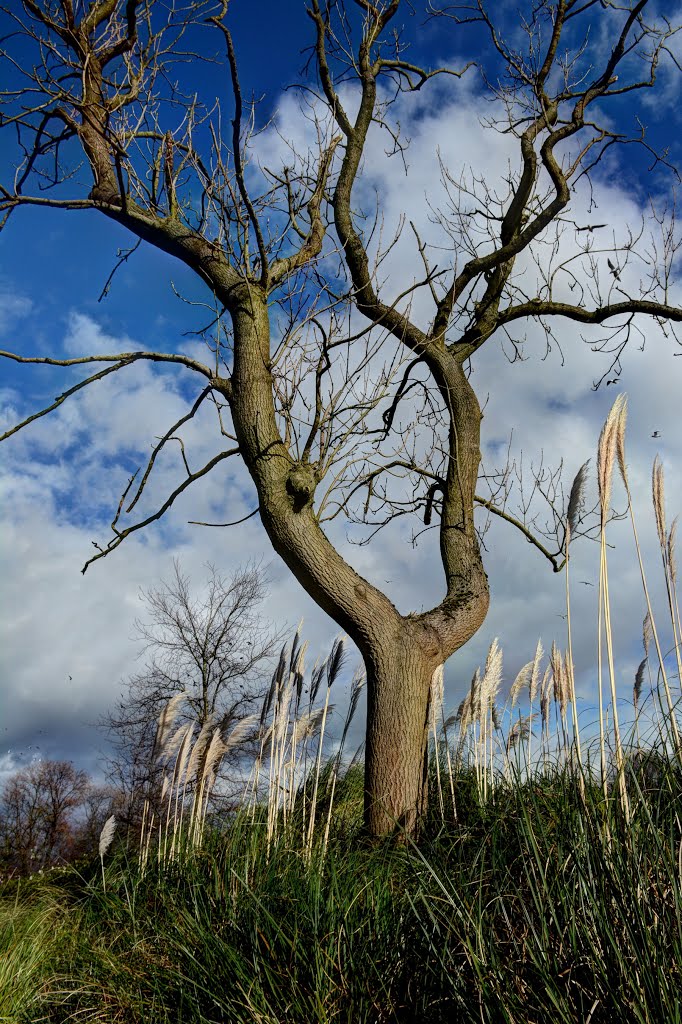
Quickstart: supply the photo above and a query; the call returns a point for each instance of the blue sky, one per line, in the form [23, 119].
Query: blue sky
[66, 638]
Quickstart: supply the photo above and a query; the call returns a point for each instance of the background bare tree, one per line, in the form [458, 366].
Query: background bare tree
[337, 397]
[213, 643]
[38, 808]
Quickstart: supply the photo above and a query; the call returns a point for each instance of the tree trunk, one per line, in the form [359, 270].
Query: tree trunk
[398, 687]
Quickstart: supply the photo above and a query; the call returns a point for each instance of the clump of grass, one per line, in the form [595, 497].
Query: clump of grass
[34, 932]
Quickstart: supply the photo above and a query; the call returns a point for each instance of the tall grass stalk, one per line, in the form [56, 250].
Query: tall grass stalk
[658, 512]
[575, 504]
[611, 444]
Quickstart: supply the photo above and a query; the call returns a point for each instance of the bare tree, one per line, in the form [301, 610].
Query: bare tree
[214, 645]
[37, 815]
[322, 379]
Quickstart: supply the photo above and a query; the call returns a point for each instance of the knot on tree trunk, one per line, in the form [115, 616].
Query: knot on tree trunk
[301, 485]
[106, 194]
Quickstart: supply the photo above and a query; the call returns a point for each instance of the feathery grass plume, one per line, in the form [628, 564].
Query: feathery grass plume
[521, 682]
[295, 643]
[533, 686]
[172, 745]
[241, 731]
[621, 421]
[357, 683]
[215, 752]
[611, 442]
[575, 505]
[336, 659]
[489, 689]
[297, 692]
[562, 690]
[275, 685]
[519, 731]
[204, 782]
[546, 688]
[163, 726]
[556, 662]
[199, 748]
[672, 560]
[637, 688]
[290, 692]
[190, 773]
[266, 735]
[105, 840]
[475, 696]
[672, 569]
[309, 723]
[282, 707]
[182, 752]
[316, 677]
[636, 694]
[658, 494]
[647, 632]
[576, 501]
[464, 713]
[492, 676]
[166, 720]
[107, 834]
[334, 665]
[535, 673]
[179, 774]
[299, 676]
[610, 439]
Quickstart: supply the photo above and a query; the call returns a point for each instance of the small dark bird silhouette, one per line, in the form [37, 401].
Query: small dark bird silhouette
[656, 433]
[614, 381]
[587, 583]
[592, 227]
[614, 270]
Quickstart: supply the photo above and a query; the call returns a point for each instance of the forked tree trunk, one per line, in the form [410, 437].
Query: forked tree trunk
[400, 652]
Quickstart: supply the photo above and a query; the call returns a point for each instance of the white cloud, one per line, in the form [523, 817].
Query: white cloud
[12, 308]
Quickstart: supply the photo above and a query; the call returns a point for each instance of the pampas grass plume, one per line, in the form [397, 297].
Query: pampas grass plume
[105, 839]
[647, 632]
[535, 674]
[658, 493]
[576, 499]
[637, 688]
[610, 439]
[107, 834]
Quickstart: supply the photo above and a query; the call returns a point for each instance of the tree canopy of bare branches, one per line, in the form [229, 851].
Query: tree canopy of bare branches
[215, 646]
